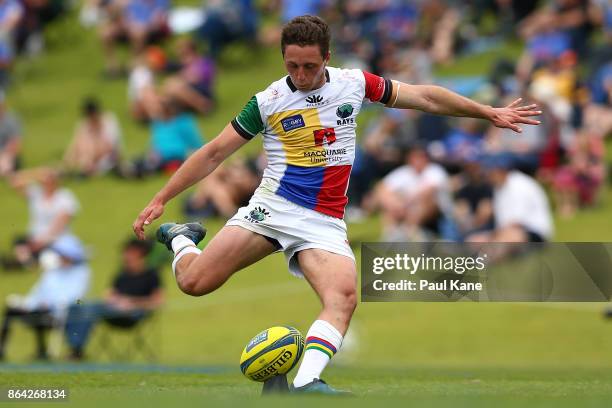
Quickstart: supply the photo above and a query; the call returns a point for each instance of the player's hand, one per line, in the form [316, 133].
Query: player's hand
[151, 212]
[513, 114]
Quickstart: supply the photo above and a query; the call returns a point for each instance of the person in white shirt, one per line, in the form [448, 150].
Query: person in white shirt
[64, 281]
[520, 206]
[51, 209]
[413, 196]
[95, 148]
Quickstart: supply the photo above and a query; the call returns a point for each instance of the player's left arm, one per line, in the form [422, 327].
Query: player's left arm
[441, 101]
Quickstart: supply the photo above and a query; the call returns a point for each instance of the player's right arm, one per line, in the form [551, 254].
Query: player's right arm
[199, 165]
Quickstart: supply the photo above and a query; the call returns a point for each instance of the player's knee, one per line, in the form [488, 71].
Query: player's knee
[343, 301]
[196, 283]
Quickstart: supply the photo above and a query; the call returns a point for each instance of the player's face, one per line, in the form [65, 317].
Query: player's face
[305, 66]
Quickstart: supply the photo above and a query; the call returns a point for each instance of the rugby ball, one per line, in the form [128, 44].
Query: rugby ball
[272, 352]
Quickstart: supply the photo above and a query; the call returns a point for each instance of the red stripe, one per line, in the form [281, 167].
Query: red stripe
[327, 343]
[332, 199]
[374, 86]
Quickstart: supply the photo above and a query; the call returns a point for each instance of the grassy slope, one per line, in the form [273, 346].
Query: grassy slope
[212, 330]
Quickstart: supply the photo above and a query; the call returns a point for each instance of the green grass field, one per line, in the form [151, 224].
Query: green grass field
[422, 354]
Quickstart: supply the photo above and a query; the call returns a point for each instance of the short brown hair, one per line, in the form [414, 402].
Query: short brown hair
[306, 30]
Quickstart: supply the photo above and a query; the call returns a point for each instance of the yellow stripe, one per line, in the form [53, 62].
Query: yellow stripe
[321, 348]
[298, 141]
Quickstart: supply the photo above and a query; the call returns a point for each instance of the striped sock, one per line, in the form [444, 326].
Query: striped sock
[322, 342]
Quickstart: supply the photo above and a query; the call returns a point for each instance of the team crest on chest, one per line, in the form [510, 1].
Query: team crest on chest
[344, 112]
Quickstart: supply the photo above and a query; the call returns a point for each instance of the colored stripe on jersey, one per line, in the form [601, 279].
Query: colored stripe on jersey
[322, 189]
[324, 346]
[295, 129]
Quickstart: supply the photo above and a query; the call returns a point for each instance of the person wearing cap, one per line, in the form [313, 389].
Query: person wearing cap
[64, 281]
[51, 208]
[95, 147]
[520, 206]
[10, 139]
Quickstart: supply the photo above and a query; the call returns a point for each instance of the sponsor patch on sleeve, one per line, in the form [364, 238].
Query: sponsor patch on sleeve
[293, 122]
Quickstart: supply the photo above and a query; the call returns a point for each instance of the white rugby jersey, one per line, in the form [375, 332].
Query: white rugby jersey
[309, 137]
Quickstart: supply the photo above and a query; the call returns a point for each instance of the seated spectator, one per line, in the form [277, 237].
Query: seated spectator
[226, 22]
[464, 143]
[136, 291]
[141, 81]
[52, 209]
[520, 205]
[95, 147]
[64, 281]
[570, 17]
[10, 140]
[577, 184]
[598, 113]
[412, 197]
[192, 85]
[472, 205]
[225, 190]
[174, 136]
[11, 14]
[138, 21]
[383, 148]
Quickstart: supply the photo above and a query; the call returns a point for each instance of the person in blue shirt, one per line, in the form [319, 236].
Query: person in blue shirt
[174, 136]
[64, 281]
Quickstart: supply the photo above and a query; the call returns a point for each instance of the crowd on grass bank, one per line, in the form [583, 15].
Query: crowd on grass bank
[429, 177]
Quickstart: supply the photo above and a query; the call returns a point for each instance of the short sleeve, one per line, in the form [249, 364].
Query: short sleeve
[248, 122]
[377, 89]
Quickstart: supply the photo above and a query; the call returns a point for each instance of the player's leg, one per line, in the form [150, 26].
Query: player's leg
[334, 278]
[233, 248]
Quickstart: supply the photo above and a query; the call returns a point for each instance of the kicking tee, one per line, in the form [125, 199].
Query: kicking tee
[309, 137]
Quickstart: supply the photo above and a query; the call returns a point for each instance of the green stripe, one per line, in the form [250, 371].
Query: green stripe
[250, 119]
[326, 351]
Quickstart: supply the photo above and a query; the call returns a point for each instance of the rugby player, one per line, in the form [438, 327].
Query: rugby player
[307, 121]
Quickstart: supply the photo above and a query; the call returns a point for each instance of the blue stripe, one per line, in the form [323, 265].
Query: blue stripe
[301, 185]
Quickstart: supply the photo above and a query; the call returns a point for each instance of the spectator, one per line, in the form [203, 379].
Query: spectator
[64, 281]
[413, 197]
[464, 143]
[10, 140]
[11, 13]
[138, 21]
[135, 293]
[193, 85]
[141, 81]
[382, 150]
[226, 22]
[577, 184]
[520, 206]
[174, 135]
[52, 208]
[225, 190]
[472, 205]
[95, 148]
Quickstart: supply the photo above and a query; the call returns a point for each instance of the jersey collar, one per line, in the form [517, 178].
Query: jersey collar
[293, 88]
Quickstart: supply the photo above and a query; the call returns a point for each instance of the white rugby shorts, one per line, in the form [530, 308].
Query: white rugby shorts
[294, 227]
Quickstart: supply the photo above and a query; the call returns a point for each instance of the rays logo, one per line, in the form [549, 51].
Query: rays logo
[314, 100]
[257, 215]
[343, 112]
